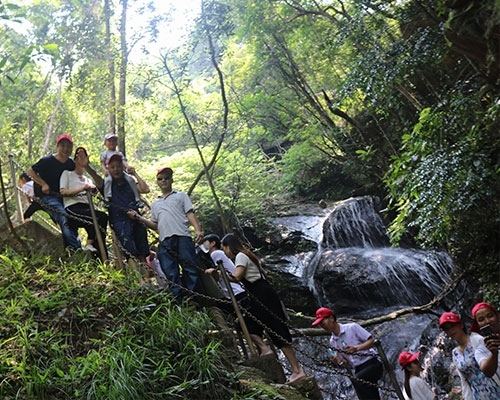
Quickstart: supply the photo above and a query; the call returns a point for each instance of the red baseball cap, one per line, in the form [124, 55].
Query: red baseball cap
[479, 306]
[406, 358]
[321, 314]
[449, 317]
[64, 136]
[115, 156]
[165, 170]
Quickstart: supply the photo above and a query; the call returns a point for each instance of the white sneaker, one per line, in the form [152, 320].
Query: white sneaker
[90, 248]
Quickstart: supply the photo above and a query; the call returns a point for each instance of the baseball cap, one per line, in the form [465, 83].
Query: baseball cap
[406, 358]
[449, 317]
[64, 136]
[479, 306]
[115, 156]
[165, 170]
[110, 135]
[321, 314]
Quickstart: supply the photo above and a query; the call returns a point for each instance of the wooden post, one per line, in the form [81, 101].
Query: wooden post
[17, 194]
[237, 310]
[389, 369]
[100, 242]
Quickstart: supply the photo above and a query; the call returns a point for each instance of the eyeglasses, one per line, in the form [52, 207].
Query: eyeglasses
[163, 178]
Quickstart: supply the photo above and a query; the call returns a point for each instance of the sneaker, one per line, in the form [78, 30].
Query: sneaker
[90, 248]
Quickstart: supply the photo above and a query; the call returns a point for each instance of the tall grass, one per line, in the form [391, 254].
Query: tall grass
[78, 330]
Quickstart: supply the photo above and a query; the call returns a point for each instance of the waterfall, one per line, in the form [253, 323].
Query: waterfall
[355, 271]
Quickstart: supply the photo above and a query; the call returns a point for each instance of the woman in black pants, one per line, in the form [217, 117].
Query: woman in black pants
[267, 307]
[73, 186]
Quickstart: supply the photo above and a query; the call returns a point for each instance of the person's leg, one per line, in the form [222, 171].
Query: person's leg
[124, 232]
[58, 213]
[188, 261]
[169, 265]
[262, 348]
[370, 372]
[297, 371]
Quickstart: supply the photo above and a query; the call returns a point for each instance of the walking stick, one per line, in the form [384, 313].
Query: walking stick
[100, 242]
[237, 310]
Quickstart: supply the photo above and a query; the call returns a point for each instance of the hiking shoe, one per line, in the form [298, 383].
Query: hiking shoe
[90, 248]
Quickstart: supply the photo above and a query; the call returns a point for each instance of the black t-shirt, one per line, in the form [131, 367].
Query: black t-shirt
[50, 170]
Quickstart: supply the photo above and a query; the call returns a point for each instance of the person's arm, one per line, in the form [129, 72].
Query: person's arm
[196, 225]
[96, 178]
[487, 355]
[360, 347]
[238, 274]
[38, 180]
[66, 191]
[142, 186]
[135, 215]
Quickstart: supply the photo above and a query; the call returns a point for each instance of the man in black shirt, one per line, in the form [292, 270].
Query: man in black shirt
[47, 173]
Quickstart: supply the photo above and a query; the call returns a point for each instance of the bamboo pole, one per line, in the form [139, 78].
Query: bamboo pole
[100, 242]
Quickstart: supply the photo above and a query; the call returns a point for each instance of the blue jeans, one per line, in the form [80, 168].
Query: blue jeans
[132, 235]
[58, 214]
[177, 250]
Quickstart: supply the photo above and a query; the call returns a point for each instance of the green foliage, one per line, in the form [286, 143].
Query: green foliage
[445, 183]
[74, 331]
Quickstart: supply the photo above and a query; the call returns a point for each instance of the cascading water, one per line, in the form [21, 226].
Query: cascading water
[357, 273]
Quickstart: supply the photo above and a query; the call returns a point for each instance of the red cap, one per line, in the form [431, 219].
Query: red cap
[321, 314]
[449, 317]
[406, 358]
[64, 136]
[165, 170]
[479, 306]
[115, 156]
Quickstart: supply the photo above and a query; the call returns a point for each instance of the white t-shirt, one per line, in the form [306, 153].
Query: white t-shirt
[27, 189]
[71, 180]
[420, 390]
[252, 271]
[219, 255]
[481, 353]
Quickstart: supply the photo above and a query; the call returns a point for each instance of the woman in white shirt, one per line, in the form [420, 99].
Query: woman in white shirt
[74, 186]
[414, 388]
[267, 306]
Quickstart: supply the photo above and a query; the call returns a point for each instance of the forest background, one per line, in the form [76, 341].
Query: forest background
[269, 103]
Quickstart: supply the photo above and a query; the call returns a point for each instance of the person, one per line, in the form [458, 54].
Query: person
[484, 314]
[467, 357]
[73, 186]
[352, 347]
[46, 174]
[171, 216]
[414, 387]
[154, 265]
[213, 244]
[26, 184]
[267, 307]
[121, 191]
[111, 144]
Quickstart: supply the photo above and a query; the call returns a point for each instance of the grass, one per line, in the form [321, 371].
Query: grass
[83, 330]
